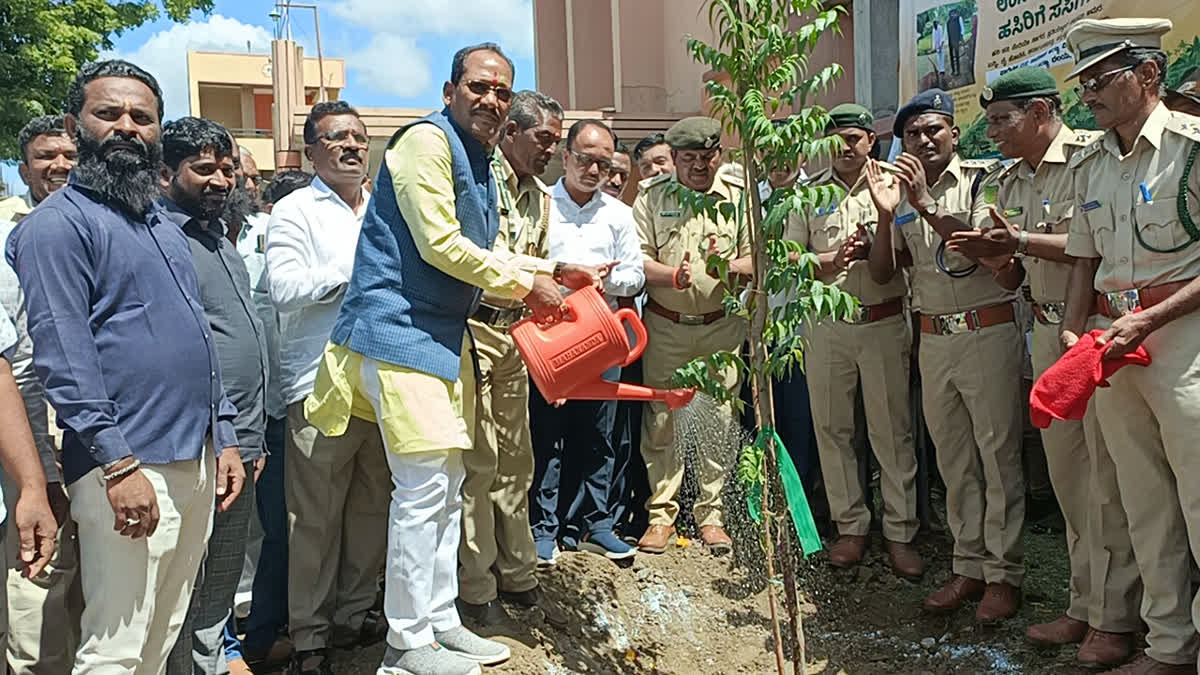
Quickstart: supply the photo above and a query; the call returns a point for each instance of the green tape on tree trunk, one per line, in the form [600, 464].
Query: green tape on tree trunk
[793, 492]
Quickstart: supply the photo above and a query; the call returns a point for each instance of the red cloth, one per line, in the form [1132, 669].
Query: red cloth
[1063, 391]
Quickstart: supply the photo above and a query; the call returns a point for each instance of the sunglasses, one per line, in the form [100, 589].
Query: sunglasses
[341, 135]
[1095, 84]
[481, 89]
[587, 161]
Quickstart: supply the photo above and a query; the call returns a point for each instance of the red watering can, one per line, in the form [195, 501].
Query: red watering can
[567, 359]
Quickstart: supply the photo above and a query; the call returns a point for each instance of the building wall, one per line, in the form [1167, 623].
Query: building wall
[222, 105]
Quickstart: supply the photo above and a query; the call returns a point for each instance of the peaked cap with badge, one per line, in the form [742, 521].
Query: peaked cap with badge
[694, 133]
[1019, 84]
[928, 101]
[850, 115]
[1093, 40]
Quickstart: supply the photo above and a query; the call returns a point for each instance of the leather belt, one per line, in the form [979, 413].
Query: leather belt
[876, 312]
[1119, 303]
[498, 317]
[685, 319]
[964, 322]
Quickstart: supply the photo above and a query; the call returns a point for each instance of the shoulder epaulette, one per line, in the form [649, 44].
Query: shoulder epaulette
[1082, 137]
[732, 173]
[985, 165]
[654, 180]
[819, 178]
[890, 168]
[1184, 125]
[1085, 152]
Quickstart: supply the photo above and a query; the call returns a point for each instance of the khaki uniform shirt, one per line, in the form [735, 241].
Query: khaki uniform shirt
[1040, 200]
[524, 209]
[934, 291]
[1109, 195]
[668, 231]
[826, 229]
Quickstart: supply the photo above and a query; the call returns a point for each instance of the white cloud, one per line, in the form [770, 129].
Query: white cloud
[164, 54]
[508, 22]
[394, 63]
[391, 64]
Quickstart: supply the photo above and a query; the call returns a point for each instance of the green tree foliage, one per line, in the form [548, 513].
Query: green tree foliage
[44, 42]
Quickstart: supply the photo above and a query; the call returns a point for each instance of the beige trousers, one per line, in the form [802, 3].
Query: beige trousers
[670, 346]
[43, 612]
[338, 491]
[971, 389]
[1104, 584]
[1150, 418]
[499, 472]
[838, 354]
[136, 591]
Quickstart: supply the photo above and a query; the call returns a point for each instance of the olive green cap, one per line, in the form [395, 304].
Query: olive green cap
[694, 133]
[850, 115]
[1026, 82]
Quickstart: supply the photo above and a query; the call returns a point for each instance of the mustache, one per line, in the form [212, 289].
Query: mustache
[121, 169]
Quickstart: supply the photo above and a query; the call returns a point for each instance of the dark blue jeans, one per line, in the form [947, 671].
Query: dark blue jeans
[630, 484]
[573, 466]
[269, 604]
[793, 422]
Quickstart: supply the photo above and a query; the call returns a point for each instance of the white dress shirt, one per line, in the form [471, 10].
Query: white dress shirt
[252, 247]
[600, 231]
[311, 239]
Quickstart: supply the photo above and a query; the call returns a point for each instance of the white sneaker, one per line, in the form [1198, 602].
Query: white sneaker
[470, 646]
[428, 660]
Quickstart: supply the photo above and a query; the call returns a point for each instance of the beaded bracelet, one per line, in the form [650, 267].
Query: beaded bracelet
[128, 469]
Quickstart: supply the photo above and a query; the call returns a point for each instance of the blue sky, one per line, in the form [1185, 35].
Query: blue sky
[397, 52]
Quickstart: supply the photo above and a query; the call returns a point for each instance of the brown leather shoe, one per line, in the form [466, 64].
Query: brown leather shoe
[847, 551]
[716, 539]
[656, 539]
[1062, 631]
[1144, 665]
[1101, 649]
[956, 591]
[239, 667]
[1000, 602]
[906, 562]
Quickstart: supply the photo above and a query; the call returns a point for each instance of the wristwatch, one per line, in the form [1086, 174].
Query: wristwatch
[558, 271]
[931, 210]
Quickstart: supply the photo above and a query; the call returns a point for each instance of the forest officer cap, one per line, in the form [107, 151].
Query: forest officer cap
[694, 133]
[850, 115]
[1093, 40]
[1022, 83]
[928, 101]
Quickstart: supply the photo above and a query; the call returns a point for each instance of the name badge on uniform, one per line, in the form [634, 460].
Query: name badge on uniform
[827, 210]
[1013, 212]
[669, 214]
[906, 218]
[261, 246]
[1090, 206]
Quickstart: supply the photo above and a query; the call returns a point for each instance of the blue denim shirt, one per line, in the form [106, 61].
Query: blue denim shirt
[121, 341]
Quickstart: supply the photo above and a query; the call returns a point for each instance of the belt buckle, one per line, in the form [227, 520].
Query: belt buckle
[1052, 312]
[1121, 303]
[952, 324]
[691, 319]
[858, 315]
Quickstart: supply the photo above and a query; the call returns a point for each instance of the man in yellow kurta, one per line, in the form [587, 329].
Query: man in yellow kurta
[395, 353]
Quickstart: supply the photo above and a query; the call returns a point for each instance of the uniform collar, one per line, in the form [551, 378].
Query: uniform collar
[953, 172]
[507, 175]
[1055, 154]
[1152, 131]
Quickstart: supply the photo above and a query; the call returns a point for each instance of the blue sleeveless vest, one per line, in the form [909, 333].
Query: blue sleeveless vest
[398, 308]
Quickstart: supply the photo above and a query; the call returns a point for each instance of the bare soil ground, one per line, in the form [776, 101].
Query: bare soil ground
[688, 613]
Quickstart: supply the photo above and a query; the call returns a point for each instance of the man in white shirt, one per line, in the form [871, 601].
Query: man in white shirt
[588, 227]
[338, 489]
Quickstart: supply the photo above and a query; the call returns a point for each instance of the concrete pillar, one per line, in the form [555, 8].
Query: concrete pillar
[287, 88]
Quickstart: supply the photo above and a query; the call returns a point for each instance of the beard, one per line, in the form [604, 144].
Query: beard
[126, 179]
[239, 206]
[197, 206]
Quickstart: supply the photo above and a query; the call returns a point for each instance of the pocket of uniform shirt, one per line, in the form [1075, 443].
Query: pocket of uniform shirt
[1158, 223]
[827, 238]
[1103, 229]
[1056, 218]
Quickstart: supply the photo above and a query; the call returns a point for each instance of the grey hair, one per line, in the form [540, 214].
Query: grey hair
[1139, 55]
[1053, 103]
[528, 106]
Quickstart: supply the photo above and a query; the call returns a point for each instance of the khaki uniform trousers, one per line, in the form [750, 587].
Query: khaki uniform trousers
[670, 346]
[1150, 418]
[338, 490]
[1105, 590]
[495, 494]
[43, 613]
[838, 352]
[971, 393]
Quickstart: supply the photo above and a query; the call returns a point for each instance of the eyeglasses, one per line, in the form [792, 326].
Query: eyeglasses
[340, 136]
[615, 173]
[605, 165]
[1095, 84]
[481, 89]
